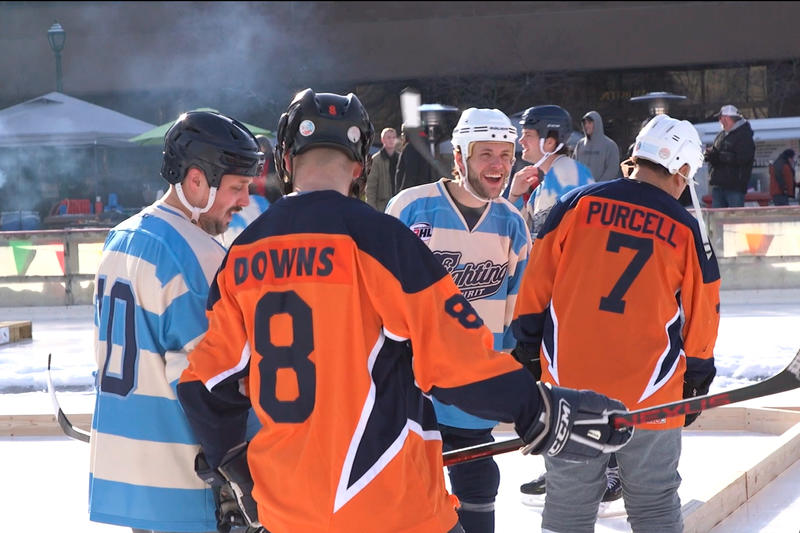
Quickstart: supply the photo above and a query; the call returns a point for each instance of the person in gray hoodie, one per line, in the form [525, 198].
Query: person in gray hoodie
[596, 150]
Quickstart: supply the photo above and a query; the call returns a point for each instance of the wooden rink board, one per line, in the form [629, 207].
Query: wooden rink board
[748, 476]
[755, 471]
[15, 331]
[751, 472]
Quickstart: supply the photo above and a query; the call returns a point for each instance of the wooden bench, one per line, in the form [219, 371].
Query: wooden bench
[763, 198]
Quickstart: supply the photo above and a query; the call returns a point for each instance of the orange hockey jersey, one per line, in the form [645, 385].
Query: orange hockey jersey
[621, 297]
[318, 304]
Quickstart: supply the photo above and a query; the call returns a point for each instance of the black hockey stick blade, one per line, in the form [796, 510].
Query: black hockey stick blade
[785, 380]
[63, 421]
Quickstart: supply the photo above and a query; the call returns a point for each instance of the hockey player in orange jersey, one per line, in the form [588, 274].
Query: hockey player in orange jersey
[312, 319]
[621, 296]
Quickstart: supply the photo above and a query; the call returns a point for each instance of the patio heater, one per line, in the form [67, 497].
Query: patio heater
[658, 102]
[435, 121]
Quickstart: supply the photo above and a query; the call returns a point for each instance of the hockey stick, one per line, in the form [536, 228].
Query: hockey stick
[63, 421]
[785, 380]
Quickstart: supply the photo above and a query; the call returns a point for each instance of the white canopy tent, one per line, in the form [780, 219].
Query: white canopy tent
[56, 146]
[56, 119]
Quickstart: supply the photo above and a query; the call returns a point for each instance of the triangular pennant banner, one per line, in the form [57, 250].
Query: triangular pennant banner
[60, 256]
[23, 255]
[758, 243]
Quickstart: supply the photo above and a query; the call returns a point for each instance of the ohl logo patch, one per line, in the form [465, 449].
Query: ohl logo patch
[423, 230]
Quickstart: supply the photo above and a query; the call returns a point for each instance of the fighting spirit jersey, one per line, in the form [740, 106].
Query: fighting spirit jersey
[486, 263]
[623, 299]
[151, 290]
[343, 322]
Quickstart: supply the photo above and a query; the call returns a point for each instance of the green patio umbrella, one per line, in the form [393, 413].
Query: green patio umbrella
[155, 136]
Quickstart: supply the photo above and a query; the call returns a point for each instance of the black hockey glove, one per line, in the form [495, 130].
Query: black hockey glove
[528, 356]
[575, 425]
[232, 486]
[690, 390]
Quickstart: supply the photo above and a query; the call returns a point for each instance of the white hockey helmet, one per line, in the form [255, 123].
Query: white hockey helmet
[670, 143]
[673, 143]
[477, 125]
[482, 125]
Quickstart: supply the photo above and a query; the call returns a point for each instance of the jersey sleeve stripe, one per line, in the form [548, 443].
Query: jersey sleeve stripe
[394, 336]
[244, 360]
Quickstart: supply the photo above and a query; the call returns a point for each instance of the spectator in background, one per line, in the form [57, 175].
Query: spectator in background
[596, 150]
[413, 168]
[380, 180]
[267, 184]
[781, 178]
[731, 159]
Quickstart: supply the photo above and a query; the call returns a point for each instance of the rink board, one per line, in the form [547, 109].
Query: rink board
[752, 471]
[758, 444]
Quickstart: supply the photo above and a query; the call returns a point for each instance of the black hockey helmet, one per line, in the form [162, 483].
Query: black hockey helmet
[324, 120]
[548, 120]
[212, 142]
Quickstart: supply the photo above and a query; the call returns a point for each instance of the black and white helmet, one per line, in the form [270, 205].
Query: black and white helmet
[212, 142]
[324, 120]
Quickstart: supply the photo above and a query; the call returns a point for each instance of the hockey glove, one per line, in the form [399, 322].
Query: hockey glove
[574, 425]
[232, 486]
[528, 356]
[690, 390]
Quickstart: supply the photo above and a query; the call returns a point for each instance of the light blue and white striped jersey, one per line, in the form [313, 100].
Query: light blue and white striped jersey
[563, 175]
[258, 204]
[486, 262]
[150, 299]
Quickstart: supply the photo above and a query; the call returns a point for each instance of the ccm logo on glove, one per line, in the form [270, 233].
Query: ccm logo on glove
[562, 428]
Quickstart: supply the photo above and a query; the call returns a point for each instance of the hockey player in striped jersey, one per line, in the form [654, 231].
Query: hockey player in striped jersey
[319, 304]
[151, 290]
[482, 241]
[545, 131]
[622, 297]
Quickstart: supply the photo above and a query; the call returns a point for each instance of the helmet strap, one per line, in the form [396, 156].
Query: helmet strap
[196, 211]
[546, 154]
[465, 179]
[699, 216]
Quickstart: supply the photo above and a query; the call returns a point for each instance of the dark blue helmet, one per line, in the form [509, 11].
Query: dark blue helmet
[548, 120]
